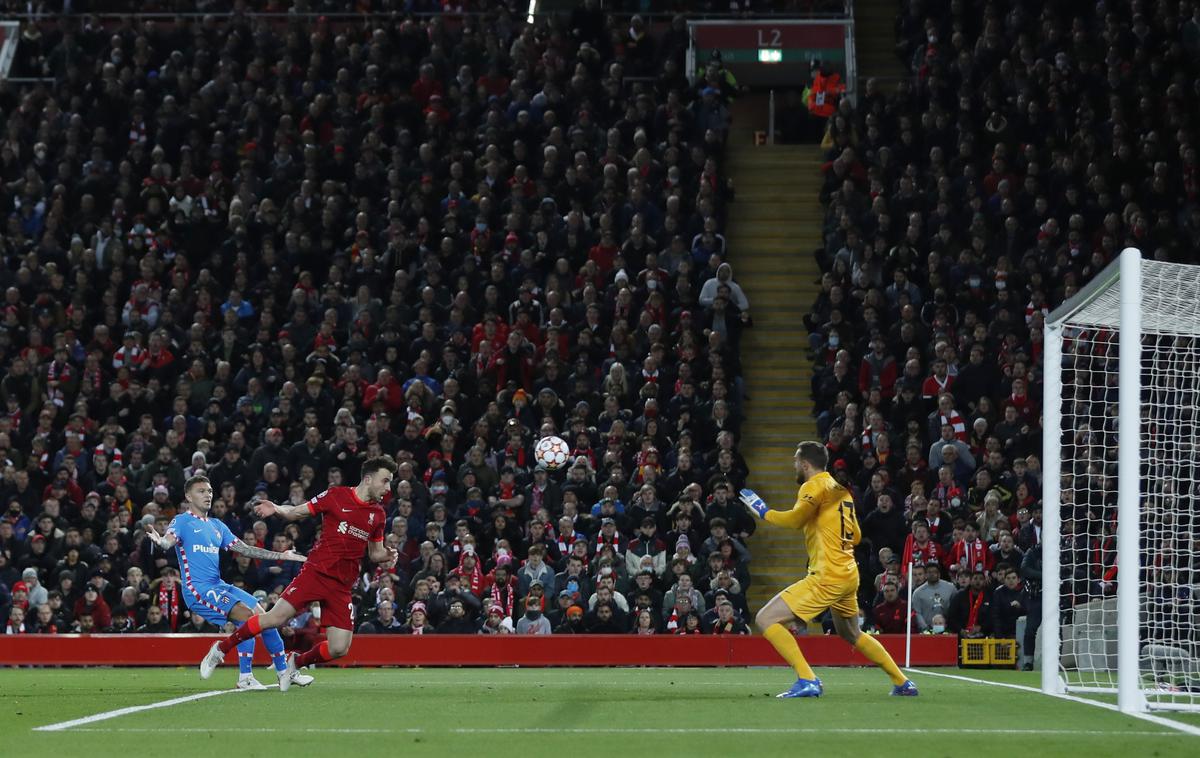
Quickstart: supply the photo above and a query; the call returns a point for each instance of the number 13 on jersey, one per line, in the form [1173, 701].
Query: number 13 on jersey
[849, 523]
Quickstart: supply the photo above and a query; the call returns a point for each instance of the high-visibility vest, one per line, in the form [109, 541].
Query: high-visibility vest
[822, 98]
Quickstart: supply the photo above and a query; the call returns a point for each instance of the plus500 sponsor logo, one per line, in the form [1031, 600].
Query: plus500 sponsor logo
[210, 549]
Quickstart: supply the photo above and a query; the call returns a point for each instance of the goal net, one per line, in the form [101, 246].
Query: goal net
[1121, 519]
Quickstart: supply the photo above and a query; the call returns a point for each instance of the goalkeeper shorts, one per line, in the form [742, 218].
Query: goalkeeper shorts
[810, 597]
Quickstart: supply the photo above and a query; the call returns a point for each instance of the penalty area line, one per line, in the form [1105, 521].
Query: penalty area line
[1147, 717]
[106, 715]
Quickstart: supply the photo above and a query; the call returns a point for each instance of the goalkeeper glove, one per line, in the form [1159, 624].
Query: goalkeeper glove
[755, 503]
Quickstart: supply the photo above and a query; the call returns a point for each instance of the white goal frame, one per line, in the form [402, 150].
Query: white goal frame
[1114, 301]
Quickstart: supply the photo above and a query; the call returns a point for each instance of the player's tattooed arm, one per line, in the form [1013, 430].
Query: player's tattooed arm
[266, 509]
[259, 553]
[165, 542]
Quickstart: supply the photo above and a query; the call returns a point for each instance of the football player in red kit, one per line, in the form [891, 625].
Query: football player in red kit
[352, 520]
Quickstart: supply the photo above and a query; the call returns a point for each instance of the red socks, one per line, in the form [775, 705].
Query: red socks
[241, 634]
[318, 654]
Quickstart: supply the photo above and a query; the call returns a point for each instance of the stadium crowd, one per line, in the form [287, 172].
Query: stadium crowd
[266, 250]
[1028, 147]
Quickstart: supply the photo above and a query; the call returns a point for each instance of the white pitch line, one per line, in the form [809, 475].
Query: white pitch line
[1150, 718]
[106, 715]
[649, 730]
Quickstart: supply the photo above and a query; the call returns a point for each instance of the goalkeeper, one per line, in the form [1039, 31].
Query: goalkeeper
[824, 511]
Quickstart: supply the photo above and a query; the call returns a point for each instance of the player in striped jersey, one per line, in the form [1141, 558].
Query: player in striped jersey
[198, 541]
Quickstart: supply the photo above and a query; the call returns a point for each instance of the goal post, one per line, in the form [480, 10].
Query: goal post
[1121, 576]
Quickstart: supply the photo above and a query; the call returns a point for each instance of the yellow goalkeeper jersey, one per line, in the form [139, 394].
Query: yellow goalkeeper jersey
[824, 511]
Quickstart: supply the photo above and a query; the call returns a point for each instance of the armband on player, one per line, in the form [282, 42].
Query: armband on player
[754, 502]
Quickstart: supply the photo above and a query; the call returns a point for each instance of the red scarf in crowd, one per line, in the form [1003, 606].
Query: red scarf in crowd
[601, 541]
[168, 600]
[975, 552]
[975, 601]
[503, 599]
[956, 421]
[474, 579]
[565, 542]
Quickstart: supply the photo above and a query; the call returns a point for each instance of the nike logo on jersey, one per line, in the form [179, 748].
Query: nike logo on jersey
[346, 510]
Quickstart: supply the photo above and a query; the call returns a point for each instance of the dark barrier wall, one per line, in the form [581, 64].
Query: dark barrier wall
[482, 650]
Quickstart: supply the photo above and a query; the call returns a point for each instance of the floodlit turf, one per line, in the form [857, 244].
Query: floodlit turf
[559, 712]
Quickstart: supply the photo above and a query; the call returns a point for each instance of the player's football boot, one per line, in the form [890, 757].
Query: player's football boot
[803, 688]
[300, 679]
[908, 689]
[211, 661]
[285, 676]
[820, 686]
[248, 682]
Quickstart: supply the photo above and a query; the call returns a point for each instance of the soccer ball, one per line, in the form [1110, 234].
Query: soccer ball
[552, 452]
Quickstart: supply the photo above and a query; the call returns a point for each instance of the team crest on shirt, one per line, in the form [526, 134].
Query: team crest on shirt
[371, 519]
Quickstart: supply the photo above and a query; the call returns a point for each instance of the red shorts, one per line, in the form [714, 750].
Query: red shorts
[337, 610]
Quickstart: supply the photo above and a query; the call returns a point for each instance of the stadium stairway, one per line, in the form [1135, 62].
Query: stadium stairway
[775, 223]
[875, 42]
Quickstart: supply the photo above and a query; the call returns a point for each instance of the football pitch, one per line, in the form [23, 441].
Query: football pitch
[559, 712]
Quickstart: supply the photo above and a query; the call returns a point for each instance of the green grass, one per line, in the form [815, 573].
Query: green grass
[560, 712]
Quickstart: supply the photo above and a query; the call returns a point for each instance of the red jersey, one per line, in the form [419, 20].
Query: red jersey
[349, 523]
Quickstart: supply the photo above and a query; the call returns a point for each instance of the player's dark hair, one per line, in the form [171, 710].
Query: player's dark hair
[371, 465]
[193, 481]
[814, 454]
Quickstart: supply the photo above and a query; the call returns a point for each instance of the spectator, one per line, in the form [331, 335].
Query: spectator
[417, 621]
[573, 621]
[535, 570]
[45, 622]
[727, 622]
[970, 612]
[604, 619]
[275, 575]
[496, 622]
[385, 621]
[970, 552]
[155, 622]
[644, 623]
[457, 621]
[36, 594]
[892, 615]
[1009, 602]
[247, 312]
[534, 621]
[931, 598]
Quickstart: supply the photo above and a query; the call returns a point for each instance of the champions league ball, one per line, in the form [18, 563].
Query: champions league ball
[551, 452]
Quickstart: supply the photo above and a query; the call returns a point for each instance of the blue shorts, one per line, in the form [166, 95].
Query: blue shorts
[213, 602]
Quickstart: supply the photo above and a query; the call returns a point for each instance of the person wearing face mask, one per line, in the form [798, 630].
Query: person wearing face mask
[833, 343]
[937, 625]
[534, 621]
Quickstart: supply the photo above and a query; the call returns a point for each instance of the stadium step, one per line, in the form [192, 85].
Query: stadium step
[774, 225]
[875, 42]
